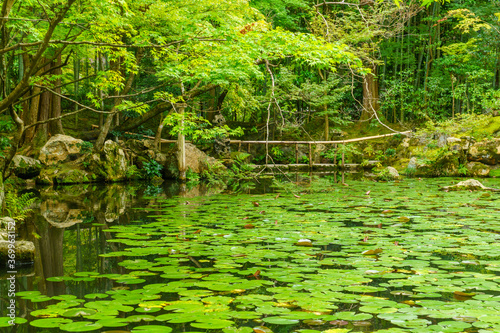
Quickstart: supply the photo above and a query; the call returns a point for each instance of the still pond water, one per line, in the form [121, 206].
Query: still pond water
[312, 256]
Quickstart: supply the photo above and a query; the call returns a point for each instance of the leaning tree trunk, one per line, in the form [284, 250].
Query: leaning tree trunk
[99, 145]
[370, 95]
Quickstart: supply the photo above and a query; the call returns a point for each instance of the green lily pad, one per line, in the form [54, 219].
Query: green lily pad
[50, 322]
[80, 326]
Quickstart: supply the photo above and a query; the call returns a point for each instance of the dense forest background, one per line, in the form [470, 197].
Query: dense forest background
[276, 68]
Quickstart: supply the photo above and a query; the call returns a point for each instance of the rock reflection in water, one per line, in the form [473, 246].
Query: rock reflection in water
[67, 228]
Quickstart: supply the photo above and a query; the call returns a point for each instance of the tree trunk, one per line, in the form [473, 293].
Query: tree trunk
[370, 94]
[30, 116]
[55, 126]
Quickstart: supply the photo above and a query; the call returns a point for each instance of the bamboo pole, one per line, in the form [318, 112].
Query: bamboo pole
[181, 145]
[285, 142]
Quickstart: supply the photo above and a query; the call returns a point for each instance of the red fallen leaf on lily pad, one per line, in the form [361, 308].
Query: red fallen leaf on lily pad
[197, 231]
[297, 196]
[339, 322]
[367, 193]
[387, 211]
[246, 218]
[249, 226]
[256, 204]
[255, 275]
[262, 329]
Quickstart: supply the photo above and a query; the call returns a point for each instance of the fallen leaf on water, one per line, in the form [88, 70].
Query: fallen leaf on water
[304, 242]
[367, 193]
[460, 293]
[249, 226]
[387, 211]
[373, 251]
[297, 196]
[262, 329]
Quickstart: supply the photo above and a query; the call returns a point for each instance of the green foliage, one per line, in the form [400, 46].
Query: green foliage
[18, 206]
[5, 126]
[477, 126]
[133, 172]
[85, 147]
[152, 169]
[198, 129]
[192, 176]
[462, 170]
[390, 152]
[384, 175]
[350, 151]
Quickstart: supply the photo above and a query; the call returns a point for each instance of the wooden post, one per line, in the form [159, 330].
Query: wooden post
[239, 147]
[181, 144]
[248, 148]
[335, 154]
[310, 156]
[296, 153]
[343, 159]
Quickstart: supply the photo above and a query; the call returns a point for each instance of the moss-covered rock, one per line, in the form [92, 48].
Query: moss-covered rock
[24, 251]
[25, 167]
[487, 152]
[2, 191]
[196, 160]
[477, 169]
[388, 173]
[111, 164]
[469, 185]
[64, 174]
[59, 149]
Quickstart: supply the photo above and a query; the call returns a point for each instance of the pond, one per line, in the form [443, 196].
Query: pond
[306, 256]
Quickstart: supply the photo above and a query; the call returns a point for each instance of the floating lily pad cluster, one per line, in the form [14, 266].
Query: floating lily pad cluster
[402, 257]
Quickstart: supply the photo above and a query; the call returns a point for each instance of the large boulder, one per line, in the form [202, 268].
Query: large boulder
[60, 148]
[487, 152]
[196, 160]
[111, 164]
[25, 167]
